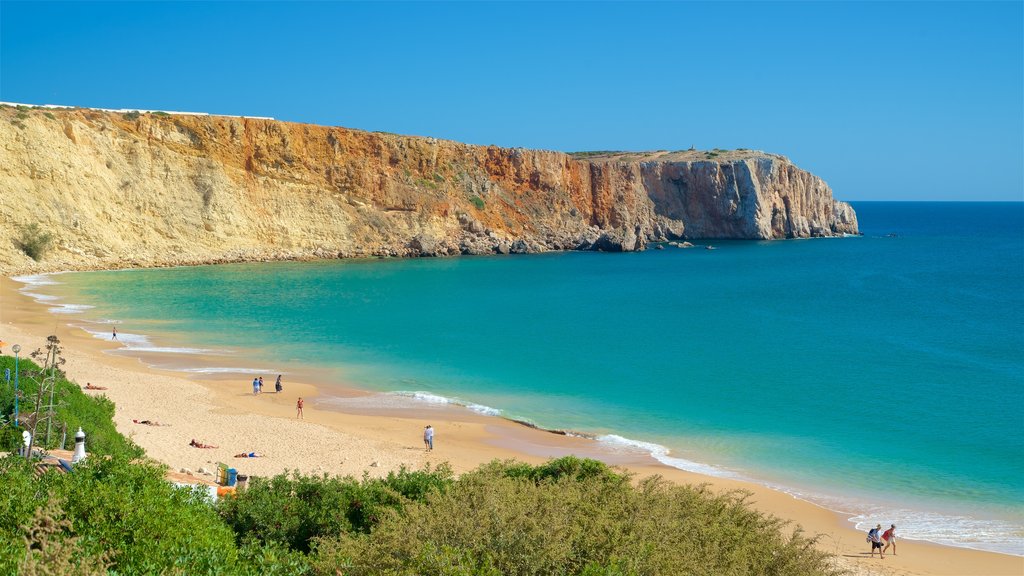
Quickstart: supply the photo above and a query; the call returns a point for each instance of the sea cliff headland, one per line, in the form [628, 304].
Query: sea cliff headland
[140, 189]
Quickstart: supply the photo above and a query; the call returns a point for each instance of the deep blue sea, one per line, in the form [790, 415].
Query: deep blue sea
[880, 375]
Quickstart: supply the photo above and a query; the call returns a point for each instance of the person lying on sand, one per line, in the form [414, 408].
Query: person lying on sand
[89, 386]
[200, 444]
[248, 455]
[149, 422]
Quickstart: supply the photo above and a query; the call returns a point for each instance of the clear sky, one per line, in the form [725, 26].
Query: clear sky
[885, 101]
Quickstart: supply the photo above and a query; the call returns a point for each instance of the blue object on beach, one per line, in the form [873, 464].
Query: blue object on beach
[232, 476]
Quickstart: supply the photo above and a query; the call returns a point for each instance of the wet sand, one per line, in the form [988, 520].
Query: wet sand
[353, 439]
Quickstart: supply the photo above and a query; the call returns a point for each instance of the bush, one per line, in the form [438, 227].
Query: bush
[577, 519]
[34, 242]
[124, 511]
[477, 201]
[291, 512]
[94, 414]
[133, 115]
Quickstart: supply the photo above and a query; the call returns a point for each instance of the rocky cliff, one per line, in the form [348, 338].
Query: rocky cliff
[153, 189]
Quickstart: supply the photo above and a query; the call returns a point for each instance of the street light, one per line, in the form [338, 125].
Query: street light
[16, 348]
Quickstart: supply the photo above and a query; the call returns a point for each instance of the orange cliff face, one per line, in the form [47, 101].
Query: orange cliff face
[152, 190]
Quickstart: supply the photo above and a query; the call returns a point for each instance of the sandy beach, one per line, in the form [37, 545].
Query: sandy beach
[223, 412]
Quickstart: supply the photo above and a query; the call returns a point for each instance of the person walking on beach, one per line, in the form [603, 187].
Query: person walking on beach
[114, 337]
[428, 437]
[298, 408]
[890, 539]
[255, 386]
[261, 384]
[875, 537]
[277, 385]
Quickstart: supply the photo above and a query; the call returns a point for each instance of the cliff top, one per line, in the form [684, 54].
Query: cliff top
[690, 155]
[15, 113]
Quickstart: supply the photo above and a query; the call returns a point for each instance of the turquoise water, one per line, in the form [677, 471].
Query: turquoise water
[883, 376]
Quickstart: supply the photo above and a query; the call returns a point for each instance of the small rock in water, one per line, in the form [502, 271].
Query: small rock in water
[659, 247]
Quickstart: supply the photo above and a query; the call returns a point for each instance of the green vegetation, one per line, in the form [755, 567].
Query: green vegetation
[49, 115]
[477, 201]
[22, 115]
[116, 514]
[160, 113]
[74, 409]
[133, 115]
[424, 183]
[33, 241]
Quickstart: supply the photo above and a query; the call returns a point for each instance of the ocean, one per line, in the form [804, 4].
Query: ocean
[881, 375]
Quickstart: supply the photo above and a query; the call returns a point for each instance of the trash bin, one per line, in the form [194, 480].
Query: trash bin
[232, 476]
[243, 481]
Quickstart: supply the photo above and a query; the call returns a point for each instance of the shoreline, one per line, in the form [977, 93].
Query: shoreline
[379, 440]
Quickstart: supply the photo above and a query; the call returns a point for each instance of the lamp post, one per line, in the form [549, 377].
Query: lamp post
[16, 348]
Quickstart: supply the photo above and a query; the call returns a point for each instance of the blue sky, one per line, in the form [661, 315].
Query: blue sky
[885, 101]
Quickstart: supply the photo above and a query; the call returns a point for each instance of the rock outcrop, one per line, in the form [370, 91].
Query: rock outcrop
[154, 190]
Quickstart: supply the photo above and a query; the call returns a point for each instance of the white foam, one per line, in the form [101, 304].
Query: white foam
[39, 297]
[661, 454]
[168, 349]
[36, 280]
[229, 370]
[430, 398]
[949, 529]
[70, 308]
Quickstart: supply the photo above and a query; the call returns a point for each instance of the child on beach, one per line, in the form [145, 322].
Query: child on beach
[255, 386]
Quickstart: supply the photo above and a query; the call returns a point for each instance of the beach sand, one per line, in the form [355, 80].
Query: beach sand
[222, 411]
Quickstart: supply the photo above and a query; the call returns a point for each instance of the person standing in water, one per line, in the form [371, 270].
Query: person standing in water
[114, 337]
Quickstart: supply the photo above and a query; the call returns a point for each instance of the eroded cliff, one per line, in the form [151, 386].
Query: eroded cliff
[153, 189]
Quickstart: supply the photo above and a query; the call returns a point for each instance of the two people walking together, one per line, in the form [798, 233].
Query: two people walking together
[876, 537]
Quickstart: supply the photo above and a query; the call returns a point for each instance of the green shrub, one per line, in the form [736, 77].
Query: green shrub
[33, 241]
[160, 113]
[576, 519]
[94, 414]
[132, 115]
[293, 511]
[49, 115]
[477, 201]
[123, 510]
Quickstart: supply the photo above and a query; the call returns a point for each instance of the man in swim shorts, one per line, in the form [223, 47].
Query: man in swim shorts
[875, 537]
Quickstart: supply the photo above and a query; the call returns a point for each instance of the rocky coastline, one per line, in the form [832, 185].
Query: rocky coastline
[121, 190]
